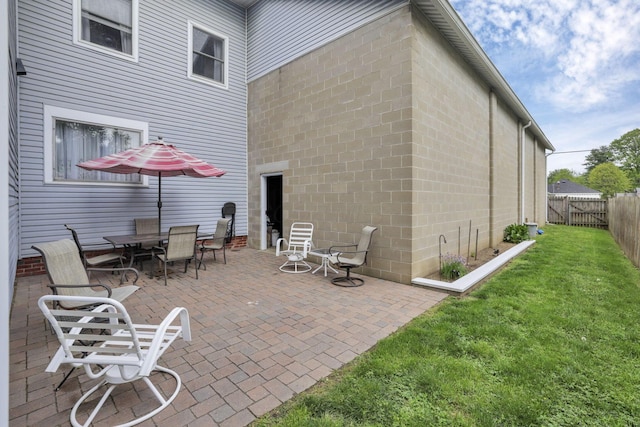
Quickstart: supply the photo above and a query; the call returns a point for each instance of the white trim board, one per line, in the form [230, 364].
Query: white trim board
[467, 281]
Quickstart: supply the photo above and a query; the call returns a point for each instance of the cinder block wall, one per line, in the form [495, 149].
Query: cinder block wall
[505, 168]
[451, 151]
[387, 126]
[339, 118]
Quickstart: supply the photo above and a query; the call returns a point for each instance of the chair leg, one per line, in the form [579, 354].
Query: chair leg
[347, 281]
[66, 377]
[165, 273]
[201, 257]
[164, 402]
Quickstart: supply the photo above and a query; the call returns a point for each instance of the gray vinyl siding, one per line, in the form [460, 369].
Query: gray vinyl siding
[13, 164]
[282, 30]
[206, 121]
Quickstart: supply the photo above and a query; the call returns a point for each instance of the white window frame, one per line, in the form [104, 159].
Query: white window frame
[77, 33]
[197, 77]
[52, 113]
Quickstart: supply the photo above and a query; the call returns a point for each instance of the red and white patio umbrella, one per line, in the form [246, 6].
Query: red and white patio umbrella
[154, 159]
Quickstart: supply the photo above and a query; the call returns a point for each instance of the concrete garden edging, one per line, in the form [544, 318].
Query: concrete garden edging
[468, 281]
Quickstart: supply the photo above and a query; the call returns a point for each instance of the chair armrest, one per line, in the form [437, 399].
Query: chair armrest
[332, 252]
[154, 351]
[94, 285]
[335, 259]
[118, 269]
[159, 249]
[306, 248]
[97, 246]
[203, 242]
[281, 241]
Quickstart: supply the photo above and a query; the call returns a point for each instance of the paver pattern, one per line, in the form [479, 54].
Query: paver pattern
[260, 336]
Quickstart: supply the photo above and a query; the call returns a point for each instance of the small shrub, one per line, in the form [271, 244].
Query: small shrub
[516, 233]
[453, 266]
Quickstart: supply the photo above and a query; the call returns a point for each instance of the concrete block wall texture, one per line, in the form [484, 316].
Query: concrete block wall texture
[451, 140]
[341, 118]
[385, 126]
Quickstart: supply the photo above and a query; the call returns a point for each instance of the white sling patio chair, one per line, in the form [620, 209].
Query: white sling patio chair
[296, 248]
[112, 348]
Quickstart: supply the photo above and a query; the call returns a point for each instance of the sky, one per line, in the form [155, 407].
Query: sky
[574, 64]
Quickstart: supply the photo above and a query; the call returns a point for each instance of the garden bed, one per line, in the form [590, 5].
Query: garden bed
[487, 263]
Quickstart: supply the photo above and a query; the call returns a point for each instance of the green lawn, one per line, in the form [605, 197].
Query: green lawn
[553, 340]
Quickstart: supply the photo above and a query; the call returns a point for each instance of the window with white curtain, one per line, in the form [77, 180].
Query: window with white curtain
[207, 55]
[74, 136]
[110, 26]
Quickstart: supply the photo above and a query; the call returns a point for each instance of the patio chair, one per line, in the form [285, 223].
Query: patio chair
[69, 277]
[94, 262]
[181, 246]
[297, 247]
[112, 348]
[347, 259]
[217, 242]
[145, 226]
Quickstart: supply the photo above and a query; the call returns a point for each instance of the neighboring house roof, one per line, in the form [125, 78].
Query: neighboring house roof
[566, 186]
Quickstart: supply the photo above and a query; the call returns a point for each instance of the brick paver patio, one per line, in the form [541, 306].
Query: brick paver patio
[260, 336]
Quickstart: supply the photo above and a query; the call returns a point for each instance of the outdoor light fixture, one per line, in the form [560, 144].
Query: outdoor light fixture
[20, 70]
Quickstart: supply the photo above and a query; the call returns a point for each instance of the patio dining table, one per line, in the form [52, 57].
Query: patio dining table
[131, 242]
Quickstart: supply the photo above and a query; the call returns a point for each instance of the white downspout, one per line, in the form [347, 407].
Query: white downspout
[522, 170]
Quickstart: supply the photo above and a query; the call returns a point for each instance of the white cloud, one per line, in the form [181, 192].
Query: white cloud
[586, 51]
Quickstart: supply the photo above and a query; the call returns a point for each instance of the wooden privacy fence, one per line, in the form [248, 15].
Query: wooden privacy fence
[624, 218]
[577, 211]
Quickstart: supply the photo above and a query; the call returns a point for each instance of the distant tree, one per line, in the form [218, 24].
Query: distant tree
[598, 156]
[560, 174]
[608, 179]
[626, 151]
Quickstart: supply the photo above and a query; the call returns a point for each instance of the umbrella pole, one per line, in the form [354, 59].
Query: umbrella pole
[159, 203]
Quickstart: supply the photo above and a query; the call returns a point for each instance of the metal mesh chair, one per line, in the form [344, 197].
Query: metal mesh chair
[144, 250]
[347, 259]
[217, 242]
[181, 246]
[69, 277]
[98, 261]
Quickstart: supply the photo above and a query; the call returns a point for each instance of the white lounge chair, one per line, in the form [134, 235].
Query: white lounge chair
[111, 347]
[296, 248]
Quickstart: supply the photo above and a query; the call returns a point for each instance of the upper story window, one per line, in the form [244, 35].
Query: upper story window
[208, 53]
[73, 136]
[110, 26]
